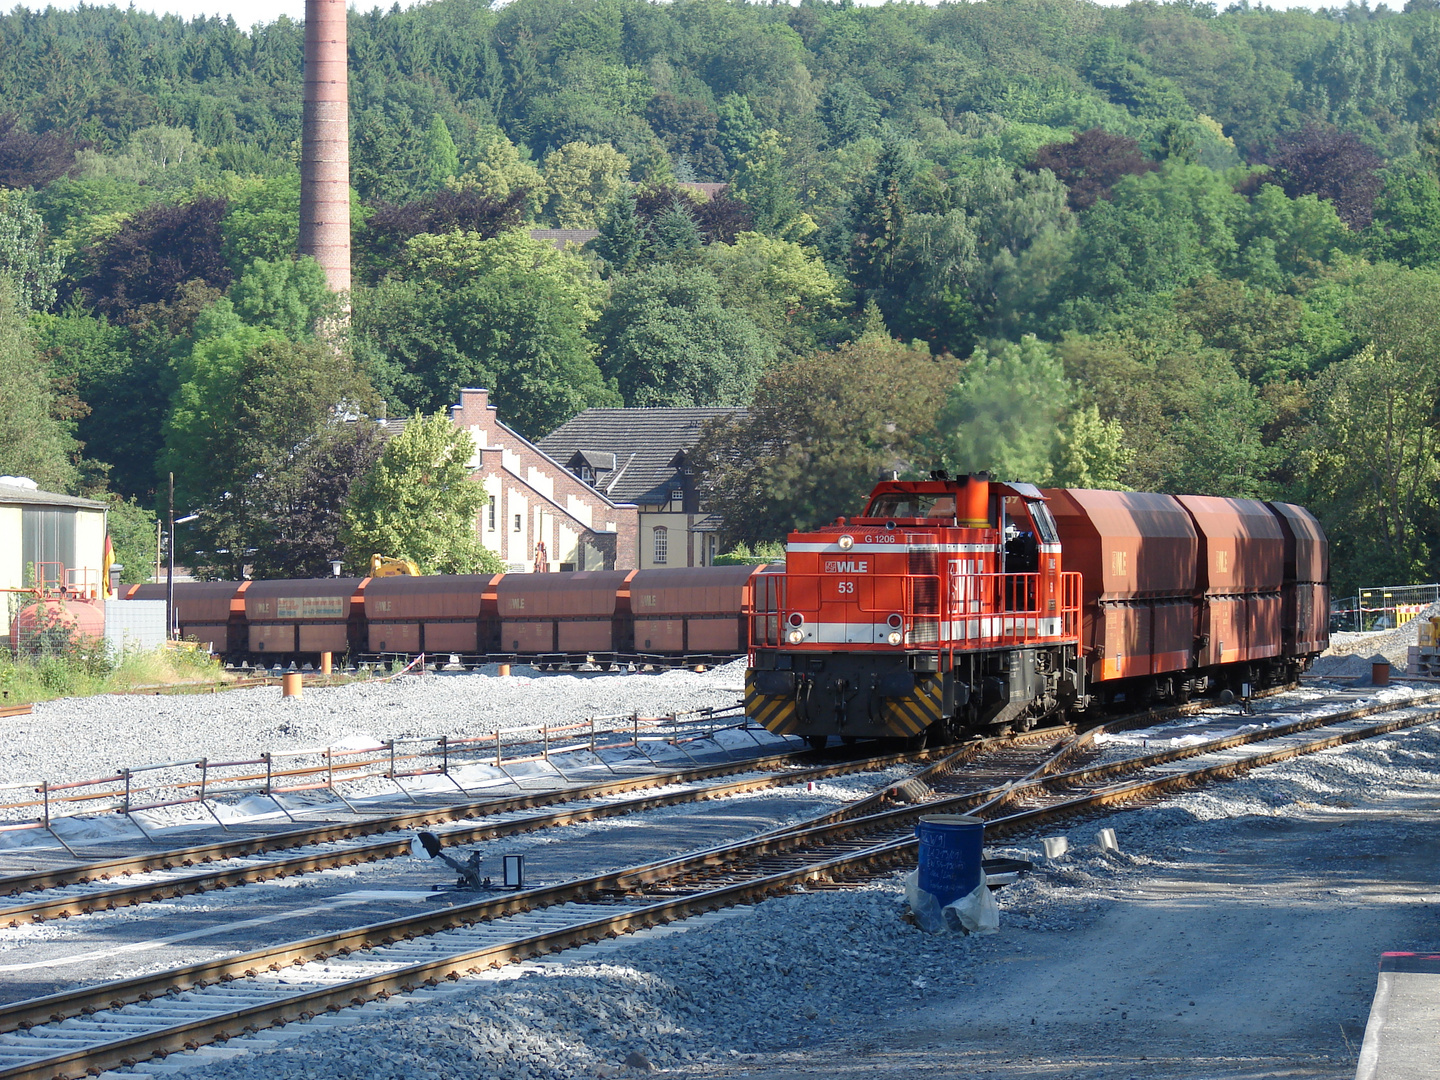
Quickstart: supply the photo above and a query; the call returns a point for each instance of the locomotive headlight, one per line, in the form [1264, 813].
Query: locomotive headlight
[895, 621]
[796, 636]
[894, 637]
[847, 542]
[796, 619]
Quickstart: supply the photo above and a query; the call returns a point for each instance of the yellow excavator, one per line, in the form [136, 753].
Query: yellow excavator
[380, 566]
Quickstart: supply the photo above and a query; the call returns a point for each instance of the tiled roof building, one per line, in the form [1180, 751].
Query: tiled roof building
[642, 457]
[563, 238]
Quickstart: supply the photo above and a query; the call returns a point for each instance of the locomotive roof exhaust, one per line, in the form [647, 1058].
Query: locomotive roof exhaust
[973, 509]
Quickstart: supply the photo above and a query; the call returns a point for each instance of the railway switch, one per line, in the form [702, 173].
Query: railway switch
[428, 845]
[469, 870]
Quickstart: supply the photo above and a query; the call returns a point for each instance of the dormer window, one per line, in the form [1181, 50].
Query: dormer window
[591, 467]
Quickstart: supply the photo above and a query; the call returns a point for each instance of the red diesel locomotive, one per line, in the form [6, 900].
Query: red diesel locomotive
[954, 605]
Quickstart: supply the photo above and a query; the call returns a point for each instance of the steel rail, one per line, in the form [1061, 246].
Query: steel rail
[34, 881]
[1229, 742]
[307, 1004]
[141, 988]
[15, 884]
[1182, 781]
[1024, 820]
[1079, 740]
[59, 1006]
[888, 852]
[171, 888]
[965, 755]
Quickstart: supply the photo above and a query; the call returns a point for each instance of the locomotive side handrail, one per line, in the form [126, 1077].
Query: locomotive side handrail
[975, 611]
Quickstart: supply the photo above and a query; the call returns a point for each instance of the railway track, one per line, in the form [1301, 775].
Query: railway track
[124, 1022]
[508, 815]
[90, 887]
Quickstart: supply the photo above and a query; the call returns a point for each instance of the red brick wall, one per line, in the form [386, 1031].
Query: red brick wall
[497, 443]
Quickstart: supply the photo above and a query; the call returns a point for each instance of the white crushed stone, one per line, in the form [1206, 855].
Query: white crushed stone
[1349, 654]
[79, 738]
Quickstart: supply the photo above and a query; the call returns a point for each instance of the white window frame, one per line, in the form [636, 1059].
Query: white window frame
[661, 541]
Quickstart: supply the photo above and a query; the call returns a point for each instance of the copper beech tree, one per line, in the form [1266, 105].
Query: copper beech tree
[817, 433]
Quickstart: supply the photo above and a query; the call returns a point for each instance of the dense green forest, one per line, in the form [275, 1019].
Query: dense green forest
[1157, 245]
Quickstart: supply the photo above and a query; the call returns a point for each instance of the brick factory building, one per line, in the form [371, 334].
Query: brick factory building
[535, 501]
[643, 457]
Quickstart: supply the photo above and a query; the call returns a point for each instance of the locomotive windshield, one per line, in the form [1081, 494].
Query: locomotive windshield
[910, 504]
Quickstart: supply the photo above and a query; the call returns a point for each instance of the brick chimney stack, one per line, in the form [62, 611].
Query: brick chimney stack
[325, 143]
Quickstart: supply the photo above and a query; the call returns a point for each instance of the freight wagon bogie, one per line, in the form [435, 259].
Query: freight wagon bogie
[1113, 696]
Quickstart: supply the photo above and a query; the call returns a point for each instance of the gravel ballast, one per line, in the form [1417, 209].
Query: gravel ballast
[1349, 655]
[75, 738]
[1236, 934]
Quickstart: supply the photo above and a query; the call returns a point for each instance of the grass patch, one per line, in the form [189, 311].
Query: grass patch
[85, 669]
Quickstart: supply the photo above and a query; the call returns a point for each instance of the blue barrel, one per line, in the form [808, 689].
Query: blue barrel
[951, 848]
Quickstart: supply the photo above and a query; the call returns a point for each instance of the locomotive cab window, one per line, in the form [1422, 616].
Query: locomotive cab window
[1044, 523]
[936, 507]
[1022, 546]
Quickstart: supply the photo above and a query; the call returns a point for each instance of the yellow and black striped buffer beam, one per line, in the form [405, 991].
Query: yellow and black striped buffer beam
[776, 713]
[913, 713]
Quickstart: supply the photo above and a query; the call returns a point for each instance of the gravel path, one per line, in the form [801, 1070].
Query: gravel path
[1235, 935]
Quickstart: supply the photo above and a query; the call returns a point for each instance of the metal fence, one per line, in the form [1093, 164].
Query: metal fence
[1382, 607]
[37, 804]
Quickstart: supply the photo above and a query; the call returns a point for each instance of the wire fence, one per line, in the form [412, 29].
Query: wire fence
[1382, 607]
[204, 782]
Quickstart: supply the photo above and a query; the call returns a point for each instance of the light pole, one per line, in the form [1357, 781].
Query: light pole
[171, 627]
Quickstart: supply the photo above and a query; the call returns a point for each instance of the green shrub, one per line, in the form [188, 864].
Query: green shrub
[87, 667]
[766, 551]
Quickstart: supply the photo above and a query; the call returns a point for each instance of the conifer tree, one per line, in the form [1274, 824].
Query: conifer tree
[442, 158]
[674, 230]
[877, 218]
[622, 234]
